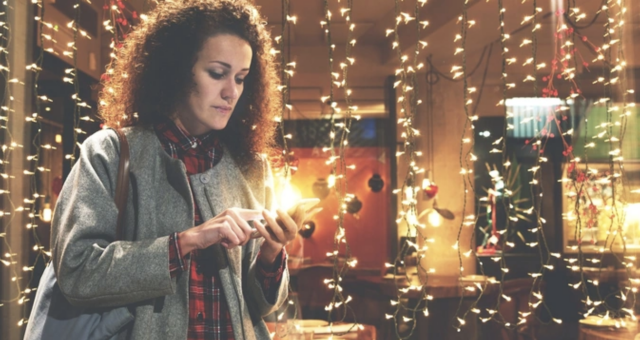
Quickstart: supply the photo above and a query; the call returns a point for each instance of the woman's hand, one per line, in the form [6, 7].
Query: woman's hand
[282, 229]
[230, 229]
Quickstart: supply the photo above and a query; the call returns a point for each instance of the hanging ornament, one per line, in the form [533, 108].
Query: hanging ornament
[320, 188]
[354, 206]
[307, 229]
[446, 213]
[429, 189]
[56, 185]
[376, 183]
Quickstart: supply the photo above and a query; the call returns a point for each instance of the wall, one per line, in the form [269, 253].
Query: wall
[367, 234]
[445, 133]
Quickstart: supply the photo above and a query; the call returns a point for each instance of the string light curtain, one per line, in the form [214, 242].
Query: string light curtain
[617, 100]
[338, 309]
[408, 101]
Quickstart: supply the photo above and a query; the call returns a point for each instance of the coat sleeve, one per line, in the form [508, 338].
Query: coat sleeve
[92, 268]
[253, 287]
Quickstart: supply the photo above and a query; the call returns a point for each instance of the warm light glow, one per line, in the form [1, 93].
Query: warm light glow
[434, 219]
[46, 213]
[426, 183]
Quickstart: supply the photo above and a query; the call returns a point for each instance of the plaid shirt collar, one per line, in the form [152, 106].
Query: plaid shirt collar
[182, 139]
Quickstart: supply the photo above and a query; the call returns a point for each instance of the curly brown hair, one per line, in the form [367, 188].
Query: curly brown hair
[153, 71]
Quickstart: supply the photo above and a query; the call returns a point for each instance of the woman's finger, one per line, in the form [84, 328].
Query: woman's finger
[312, 212]
[228, 237]
[236, 229]
[275, 227]
[262, 230]
[289, 226]
[247, 214]
[245, 229]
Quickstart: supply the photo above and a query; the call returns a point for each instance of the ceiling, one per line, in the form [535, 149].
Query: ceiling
[375, 60]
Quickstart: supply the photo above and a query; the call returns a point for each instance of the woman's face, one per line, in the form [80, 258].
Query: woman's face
[223, 64]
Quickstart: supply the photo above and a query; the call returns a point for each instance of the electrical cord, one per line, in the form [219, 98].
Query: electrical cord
[440, 74]
[575, 25]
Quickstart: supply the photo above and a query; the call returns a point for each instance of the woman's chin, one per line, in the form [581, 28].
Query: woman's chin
[218, 126]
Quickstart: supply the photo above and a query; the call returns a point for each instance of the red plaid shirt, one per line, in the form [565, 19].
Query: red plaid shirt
[209, 316]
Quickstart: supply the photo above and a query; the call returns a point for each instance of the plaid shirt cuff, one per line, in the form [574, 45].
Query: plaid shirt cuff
[270, 278]
[176, 262]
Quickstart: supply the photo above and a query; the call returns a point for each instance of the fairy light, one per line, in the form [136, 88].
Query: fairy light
[613, 71]
[463, 158]
[287, 72]
[338, 135]
[34, 203]
[616, 119]
[536, 200]
[408, 102]
[503, 140]
[605, 54]
[511, 211]
[11, 258]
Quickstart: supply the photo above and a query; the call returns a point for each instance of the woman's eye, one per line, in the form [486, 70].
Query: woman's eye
[215, 75]
[239, 81]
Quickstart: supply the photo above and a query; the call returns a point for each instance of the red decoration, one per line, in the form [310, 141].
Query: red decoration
[277, 160]
[431, 190]
[56, 185]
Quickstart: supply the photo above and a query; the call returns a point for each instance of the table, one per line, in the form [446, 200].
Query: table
[365, 332]
[608, 275]
[587, 333]
[295, 269]
[439, 287]
[372, 296]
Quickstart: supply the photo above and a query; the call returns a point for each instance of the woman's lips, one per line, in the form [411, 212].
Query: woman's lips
[223, 109]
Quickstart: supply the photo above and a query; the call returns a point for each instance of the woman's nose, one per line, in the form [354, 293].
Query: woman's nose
[230, 90]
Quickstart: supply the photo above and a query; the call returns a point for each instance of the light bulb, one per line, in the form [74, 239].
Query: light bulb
[46, 213]
[434, 219]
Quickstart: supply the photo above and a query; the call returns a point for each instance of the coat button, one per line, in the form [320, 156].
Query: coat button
[199, 269]
[204, 178]
[200, 318]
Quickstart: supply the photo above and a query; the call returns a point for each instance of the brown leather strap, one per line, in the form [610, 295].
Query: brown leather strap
[122, 186]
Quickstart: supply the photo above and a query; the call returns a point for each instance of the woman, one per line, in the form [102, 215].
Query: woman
[195, 90]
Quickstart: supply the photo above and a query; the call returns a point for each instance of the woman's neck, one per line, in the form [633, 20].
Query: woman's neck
[183, 127]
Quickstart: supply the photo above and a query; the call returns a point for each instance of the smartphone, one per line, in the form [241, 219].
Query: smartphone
[306, 204]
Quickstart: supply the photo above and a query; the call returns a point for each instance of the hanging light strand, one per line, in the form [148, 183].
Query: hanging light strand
[287, 71]
[537, 191]
[35, 161]
[339, 304]
[503, 53]
[467, 170]
[408, 102]
[10, 260]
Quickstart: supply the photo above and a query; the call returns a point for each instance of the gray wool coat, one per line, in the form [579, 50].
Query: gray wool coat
[94, 270]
